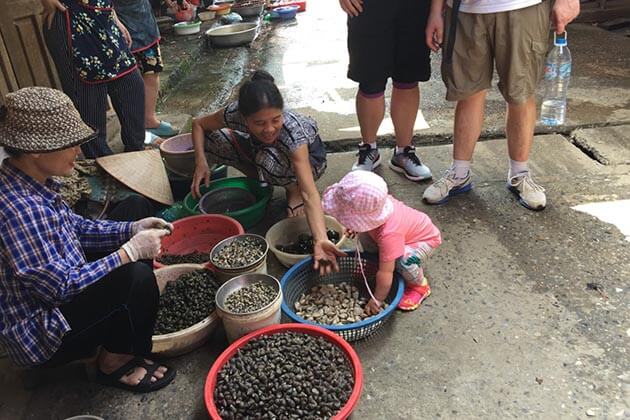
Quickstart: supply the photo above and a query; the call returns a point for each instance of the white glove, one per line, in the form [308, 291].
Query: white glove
[150, 223]
[145, 245]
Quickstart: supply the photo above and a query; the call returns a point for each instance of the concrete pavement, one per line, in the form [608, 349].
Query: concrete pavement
[511, 329]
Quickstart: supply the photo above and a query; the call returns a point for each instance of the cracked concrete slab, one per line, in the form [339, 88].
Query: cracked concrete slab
[609, 145]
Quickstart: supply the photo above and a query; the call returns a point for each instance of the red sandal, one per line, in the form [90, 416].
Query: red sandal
[413, 296]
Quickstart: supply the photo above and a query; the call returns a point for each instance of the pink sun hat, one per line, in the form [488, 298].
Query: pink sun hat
[359, 201]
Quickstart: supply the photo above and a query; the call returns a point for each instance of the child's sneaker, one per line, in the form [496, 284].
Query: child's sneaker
[414, 295]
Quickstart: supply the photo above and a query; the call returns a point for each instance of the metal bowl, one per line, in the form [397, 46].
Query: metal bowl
[244, 280]
[225, 200]
[218, 247]
[249, 11]
[232, 35]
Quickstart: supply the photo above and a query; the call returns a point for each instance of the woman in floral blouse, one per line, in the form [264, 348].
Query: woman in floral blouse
[91, 50]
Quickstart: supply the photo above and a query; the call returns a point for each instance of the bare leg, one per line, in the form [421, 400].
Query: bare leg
[468, 122]
[370, 112]
[151, 89]
[520, 124]
[405, 103]
[109, 362]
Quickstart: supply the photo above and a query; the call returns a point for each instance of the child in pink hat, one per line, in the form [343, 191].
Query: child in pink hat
[405, 237]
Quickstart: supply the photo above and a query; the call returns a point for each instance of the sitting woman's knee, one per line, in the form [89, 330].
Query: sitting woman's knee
[143, 282]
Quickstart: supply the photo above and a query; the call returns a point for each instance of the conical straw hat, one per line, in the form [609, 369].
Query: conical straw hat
[141, 171]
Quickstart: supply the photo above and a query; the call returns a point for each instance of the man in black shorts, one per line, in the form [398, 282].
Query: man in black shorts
[385, 39]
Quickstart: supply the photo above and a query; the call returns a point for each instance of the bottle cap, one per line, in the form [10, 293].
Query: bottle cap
[560, 40]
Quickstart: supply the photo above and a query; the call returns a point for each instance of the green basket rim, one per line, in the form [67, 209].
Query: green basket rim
[267, 193]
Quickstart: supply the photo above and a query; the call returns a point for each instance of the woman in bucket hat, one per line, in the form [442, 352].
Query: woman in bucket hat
[56, 305]
[405, 237]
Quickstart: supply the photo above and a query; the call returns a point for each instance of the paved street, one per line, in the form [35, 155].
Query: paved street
[511, 329]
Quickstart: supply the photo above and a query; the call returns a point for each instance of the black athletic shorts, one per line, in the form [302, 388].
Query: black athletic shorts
[387, 40]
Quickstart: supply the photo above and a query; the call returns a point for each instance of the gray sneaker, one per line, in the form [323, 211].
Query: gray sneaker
[530, 195]
[409, 164]
[368, 160]
[446, 187]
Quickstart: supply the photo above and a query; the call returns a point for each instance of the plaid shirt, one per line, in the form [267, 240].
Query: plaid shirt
[42, 263]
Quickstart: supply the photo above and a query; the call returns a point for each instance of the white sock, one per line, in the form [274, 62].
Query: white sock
[461, 168]
[517, 167]
[372, 145]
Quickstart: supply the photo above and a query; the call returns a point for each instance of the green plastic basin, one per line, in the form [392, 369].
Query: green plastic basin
[248, 217]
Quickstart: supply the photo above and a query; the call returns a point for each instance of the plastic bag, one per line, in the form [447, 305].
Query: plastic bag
[231, 17]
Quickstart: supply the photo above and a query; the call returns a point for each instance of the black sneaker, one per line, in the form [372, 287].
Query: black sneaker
[409, 164]
[368, 159]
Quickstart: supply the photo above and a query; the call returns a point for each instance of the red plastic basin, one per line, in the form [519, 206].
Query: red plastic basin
[198, 234]
[346, 410]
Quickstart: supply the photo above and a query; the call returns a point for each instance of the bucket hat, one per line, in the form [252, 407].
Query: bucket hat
[359, 201]
[142, 171]
[41, 120]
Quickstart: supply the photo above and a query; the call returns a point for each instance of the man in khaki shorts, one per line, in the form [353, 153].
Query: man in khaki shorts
[511, 35]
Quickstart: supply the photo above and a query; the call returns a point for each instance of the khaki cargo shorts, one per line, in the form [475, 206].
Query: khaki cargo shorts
[514, 41]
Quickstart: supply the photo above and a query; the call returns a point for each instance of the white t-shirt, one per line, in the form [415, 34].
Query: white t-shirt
[493, 6]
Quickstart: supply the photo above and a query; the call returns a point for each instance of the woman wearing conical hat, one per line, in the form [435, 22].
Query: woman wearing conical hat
[56, 304]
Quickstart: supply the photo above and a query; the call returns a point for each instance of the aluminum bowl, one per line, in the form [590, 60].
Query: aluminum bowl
[218, 247]
[232, 35]
[245, 280]
[249, 11]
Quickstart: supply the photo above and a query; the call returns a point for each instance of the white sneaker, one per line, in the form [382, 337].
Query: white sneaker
[447, 186]
[530, 195]
[368, 158]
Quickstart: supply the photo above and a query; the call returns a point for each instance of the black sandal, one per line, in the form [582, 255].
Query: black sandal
[145, 385]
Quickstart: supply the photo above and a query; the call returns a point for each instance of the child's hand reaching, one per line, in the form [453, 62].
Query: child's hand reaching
[384, 277]
[373, 307]
[350, 233]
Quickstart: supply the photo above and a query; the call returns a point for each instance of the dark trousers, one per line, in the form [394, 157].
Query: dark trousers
[118, 311]
[90, 99]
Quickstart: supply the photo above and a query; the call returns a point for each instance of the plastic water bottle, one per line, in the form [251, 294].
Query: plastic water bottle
[556, 82]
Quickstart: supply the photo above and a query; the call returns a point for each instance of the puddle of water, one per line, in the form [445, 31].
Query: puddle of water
[613, 212]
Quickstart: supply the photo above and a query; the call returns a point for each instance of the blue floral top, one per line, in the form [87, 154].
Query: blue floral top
[99, 50]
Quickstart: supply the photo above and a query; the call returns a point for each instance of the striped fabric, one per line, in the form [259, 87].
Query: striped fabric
[42, 263]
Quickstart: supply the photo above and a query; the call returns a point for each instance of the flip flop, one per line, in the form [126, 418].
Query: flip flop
[151, 140]
[413, 296]
[291, 210]
[145, 385]
[165, 129]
